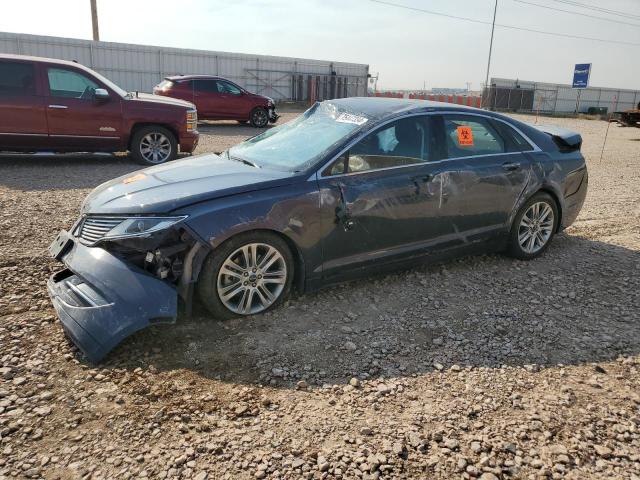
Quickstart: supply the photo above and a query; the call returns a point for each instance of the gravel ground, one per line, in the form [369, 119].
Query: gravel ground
[484, 367]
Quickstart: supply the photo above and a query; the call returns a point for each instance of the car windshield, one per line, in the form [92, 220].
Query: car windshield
[296, 145]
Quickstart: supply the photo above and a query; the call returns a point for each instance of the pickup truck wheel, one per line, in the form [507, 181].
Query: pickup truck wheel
[248, 274]
[153, 145]
[259, 117]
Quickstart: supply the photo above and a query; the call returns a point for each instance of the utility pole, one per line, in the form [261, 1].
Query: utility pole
[94, 20]
[493, 26]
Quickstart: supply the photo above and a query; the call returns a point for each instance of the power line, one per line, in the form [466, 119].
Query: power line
[511, 27]
[578, 13]
[600, 9]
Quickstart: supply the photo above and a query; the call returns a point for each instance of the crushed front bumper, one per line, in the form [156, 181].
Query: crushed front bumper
[101, 299]
[273, 115]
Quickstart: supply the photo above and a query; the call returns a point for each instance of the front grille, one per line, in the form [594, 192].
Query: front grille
[92, 229]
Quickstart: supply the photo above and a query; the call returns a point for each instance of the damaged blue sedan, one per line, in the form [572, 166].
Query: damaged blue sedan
[351, 187]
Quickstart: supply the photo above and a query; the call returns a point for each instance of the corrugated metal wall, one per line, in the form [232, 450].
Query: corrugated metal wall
[140, 67]
[559, 98]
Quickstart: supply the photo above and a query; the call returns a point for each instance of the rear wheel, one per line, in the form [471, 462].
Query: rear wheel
[534, 227]
[259, 117]
[248, 274]
[153, 145]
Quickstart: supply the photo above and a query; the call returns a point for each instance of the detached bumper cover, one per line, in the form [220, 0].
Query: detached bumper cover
[101, 300]
[273, 115]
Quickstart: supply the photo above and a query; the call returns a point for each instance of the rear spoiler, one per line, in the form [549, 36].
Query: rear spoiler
[566, 140]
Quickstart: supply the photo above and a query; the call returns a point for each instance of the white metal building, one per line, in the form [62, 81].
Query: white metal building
[140, 67]
[556, 98]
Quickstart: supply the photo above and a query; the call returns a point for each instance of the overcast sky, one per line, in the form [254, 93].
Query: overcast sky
[406, 47]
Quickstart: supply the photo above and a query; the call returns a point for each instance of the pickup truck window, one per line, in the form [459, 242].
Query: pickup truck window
[16, 78]
[70, 84]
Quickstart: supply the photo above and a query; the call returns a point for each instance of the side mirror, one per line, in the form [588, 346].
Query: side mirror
[100, 94]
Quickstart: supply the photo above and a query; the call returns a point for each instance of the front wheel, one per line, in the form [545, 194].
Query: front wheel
[153, 145]
[248, 274]
[259, 117]
[534, 227]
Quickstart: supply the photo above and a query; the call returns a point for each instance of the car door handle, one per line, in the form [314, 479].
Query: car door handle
[58, 107]
[510, 166]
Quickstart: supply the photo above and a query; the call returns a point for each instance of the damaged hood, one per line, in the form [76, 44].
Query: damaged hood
[164, 188]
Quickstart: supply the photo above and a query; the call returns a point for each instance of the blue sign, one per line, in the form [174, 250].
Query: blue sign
[581, 75]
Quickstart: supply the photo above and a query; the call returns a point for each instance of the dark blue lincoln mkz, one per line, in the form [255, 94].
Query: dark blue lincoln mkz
[351, 186]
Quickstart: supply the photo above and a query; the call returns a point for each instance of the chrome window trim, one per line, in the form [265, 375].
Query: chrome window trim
[317, 175]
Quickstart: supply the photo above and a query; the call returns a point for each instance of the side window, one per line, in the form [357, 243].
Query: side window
[466, 136]
[404, 142]
[226, 87]
[515, 141]
[17, 78]
[70, 84]
[209, 86]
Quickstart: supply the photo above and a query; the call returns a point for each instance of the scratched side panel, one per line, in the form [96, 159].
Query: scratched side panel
[291, 210]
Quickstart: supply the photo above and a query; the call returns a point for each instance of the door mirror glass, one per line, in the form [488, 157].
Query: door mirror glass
[101, 94]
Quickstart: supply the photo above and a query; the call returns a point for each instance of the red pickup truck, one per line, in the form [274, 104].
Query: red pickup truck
[59, 106]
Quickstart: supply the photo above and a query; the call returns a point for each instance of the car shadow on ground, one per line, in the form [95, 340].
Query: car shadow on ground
[484, 311]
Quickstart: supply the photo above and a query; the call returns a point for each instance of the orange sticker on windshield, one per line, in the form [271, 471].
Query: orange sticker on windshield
[135, 178]
[465, 136]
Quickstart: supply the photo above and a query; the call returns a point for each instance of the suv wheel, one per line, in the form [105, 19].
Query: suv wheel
[153, 145]
[246, 275]
[534, 227]
[259, 117]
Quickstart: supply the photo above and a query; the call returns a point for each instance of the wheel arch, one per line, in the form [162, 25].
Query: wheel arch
[299, 265]
[139, 125]
[556, 198]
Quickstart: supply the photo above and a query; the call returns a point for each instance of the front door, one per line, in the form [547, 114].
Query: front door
[23, 122]
[484, 172]
[233, 102]
[380, 199]
[76, 119]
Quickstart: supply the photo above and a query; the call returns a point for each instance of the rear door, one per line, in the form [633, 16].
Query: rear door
[76, 119]
[486, 170]
[23, 122]
[207, 98]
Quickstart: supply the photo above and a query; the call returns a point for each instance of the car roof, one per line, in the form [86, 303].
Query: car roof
[175, 78]
[29, 58]
[380, 107]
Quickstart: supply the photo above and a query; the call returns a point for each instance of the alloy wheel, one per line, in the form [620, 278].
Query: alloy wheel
[155, 147]
[252, 278]
[536, 227]
[260, 118]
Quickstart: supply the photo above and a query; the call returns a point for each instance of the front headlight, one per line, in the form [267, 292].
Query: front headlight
[141, 226]
[192, 120]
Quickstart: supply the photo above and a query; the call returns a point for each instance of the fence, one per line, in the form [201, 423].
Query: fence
[522, 96]
[140, 67]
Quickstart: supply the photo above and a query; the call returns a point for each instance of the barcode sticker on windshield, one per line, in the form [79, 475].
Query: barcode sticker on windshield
[349, 118]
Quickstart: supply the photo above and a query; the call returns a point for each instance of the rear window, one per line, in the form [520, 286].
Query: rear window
[17, 78]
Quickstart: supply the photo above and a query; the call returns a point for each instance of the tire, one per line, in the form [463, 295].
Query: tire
[252, 290]
[153, 142]
[259, 117]
[530, 238]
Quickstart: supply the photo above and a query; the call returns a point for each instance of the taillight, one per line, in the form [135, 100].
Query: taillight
[192, 120]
